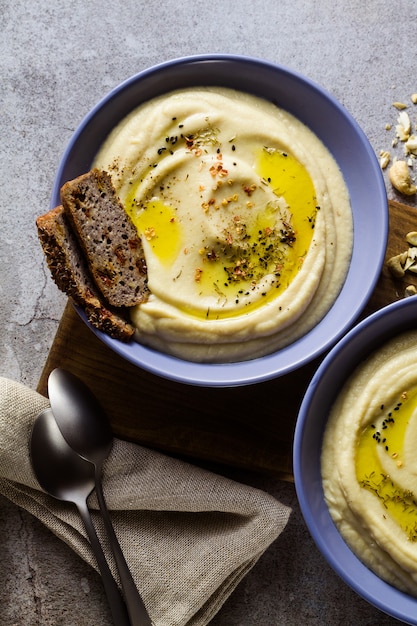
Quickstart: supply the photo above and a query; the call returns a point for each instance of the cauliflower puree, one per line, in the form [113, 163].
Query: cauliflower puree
[244, 217]
[369, 465]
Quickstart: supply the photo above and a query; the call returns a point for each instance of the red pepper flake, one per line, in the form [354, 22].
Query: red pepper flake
[249, 189]
[218, 170]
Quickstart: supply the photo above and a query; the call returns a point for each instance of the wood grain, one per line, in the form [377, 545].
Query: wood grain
[248, 427]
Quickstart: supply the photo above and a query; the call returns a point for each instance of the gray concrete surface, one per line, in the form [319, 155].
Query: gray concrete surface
[57, 59]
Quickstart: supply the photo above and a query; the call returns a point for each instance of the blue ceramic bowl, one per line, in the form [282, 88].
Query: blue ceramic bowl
[338, 131]
[334, 370]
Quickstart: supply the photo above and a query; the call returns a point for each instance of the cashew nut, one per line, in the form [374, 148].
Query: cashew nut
[399, 105]
[410, 290]
[384, 158]
[411, 145]
[400, 178]
[411, 238]
[396, 264]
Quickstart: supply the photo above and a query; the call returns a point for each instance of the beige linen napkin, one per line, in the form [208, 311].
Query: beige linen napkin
[188, 535]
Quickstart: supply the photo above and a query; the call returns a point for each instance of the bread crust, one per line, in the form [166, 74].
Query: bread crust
[71, 274]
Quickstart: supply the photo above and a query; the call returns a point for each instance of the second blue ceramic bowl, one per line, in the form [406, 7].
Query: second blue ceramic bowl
[330, 377]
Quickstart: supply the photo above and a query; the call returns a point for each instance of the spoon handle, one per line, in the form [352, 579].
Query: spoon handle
[135, 605]
[117, 605]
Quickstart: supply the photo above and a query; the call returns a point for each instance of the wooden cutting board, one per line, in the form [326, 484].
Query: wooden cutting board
[247, 427]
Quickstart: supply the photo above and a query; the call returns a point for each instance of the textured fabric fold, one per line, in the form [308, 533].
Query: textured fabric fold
[188, 535]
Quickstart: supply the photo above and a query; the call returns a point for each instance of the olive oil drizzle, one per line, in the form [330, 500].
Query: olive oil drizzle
[388, 430]
[264, 246]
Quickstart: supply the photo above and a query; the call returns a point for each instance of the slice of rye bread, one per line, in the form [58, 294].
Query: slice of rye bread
[71, 274]
[108, 237]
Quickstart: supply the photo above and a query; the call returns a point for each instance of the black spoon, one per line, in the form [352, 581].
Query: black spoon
[63, 474]
[86, 428]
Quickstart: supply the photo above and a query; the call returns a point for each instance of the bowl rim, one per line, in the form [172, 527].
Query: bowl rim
[358, 343]
[293, 356]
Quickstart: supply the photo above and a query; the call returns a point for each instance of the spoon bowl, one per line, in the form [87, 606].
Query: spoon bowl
[65, 475]
[80, 417]
[60, 472]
